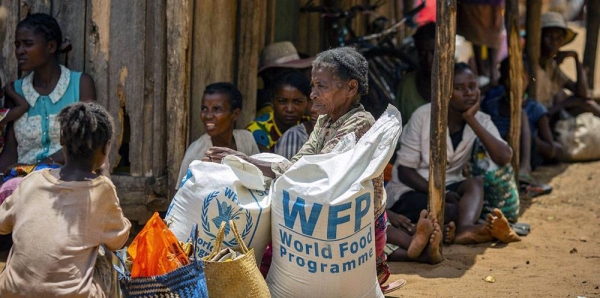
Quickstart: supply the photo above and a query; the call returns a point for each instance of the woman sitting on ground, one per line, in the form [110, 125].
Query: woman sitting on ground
[33, 141]
[221, 105]
[408, 191]
[290, 96]
[537, 142]
[551, 81]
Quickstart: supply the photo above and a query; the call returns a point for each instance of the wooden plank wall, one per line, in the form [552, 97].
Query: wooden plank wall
[310, 36]
[252, 18]
[151, 61]
[213, 28]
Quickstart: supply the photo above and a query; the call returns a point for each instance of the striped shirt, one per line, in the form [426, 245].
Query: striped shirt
[292, 140]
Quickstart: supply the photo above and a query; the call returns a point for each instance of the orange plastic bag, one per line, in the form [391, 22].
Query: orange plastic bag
[155, 250]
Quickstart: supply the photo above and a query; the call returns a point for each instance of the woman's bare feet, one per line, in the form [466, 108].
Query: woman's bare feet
[421, 238]
[450, 233]
[500, 228]
[433, 249]
[473, 234]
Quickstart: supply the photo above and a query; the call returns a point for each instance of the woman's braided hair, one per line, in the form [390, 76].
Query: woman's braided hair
[84, 127]
[348, 64]
[46, 25]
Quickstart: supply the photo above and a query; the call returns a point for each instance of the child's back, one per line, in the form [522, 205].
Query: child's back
[60, 217]
[57, 227]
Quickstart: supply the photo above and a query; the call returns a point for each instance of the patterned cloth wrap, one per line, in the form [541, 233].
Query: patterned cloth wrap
[500, 187]
[265, 130]
[24, 170]
[383, 271]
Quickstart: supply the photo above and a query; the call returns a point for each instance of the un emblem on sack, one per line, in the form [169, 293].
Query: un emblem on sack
[226, 212]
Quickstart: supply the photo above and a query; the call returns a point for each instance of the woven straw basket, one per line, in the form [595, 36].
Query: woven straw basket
[234, 278]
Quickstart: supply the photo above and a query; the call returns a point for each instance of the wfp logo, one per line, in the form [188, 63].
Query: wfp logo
[227, 209]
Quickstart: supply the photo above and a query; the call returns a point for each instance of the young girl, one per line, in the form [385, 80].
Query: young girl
[59, 217]
[290, 97]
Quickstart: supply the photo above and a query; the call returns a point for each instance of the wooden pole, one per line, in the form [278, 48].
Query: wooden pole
[179, 25]
[442, 77]
[511, 20]
[534, 40]
[591, 40]
[251, 17]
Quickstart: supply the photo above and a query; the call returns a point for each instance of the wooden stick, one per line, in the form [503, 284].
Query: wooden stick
[591, 40]
[442, 77]
[516, 79]
[534, 40]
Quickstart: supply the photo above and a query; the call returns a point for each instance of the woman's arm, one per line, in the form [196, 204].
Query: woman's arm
[216, 154]
[579, 88]
[87, 88]
[9, 156]
[412, 179]
[498, 150]
[17, 104]
[545, 139]
[57, 158]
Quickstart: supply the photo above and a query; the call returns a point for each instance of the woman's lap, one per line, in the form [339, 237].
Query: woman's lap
[413, 202]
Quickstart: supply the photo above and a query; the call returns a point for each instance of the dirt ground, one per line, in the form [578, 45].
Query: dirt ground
[560, 258]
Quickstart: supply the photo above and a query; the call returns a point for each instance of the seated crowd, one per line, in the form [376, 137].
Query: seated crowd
[298, 111]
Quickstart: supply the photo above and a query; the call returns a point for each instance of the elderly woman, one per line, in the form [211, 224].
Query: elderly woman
[339, 78]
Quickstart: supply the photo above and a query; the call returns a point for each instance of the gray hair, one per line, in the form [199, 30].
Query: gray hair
[347, 64]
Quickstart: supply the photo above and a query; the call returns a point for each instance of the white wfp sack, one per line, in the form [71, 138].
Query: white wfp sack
[234, 190]
[322, 218]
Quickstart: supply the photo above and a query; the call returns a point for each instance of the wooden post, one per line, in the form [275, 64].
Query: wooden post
[442, 77]
[178, 84]
[97, 55]
[591, 40]
[534, 40]
[251, 15]
[511, 20]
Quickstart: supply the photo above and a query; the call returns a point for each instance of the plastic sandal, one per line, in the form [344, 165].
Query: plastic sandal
[393, 286]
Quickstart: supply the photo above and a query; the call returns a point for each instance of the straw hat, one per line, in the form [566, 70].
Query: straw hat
[282, 54]
[553, 19]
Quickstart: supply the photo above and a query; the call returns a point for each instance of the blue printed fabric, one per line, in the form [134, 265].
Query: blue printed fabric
[491, 106]
[499, 185]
